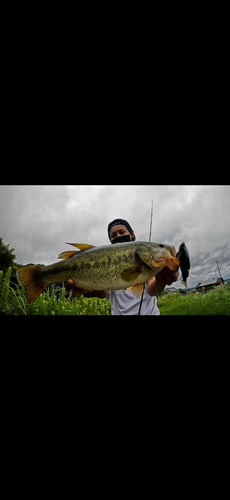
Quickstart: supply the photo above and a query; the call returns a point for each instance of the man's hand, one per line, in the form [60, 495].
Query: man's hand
[167, 276]
[70, 284]
[157, 283]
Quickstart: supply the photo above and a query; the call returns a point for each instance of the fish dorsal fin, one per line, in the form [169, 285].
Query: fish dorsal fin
[67, 255]
[70, 253]
[81, 246]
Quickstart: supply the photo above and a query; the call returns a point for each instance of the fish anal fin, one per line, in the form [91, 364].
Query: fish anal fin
[130, 274]
[77, 292]
[67, 255]
[81, 246]
[136, 289]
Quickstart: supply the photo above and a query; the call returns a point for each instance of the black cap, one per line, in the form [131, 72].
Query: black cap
[115, 222]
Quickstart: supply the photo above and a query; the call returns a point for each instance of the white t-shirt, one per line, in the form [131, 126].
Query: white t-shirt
[127, 303]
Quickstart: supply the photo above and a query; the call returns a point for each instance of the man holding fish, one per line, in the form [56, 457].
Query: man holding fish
[143, 299]
[133, 272]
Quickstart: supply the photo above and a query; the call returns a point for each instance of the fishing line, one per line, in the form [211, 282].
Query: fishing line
[141, 299]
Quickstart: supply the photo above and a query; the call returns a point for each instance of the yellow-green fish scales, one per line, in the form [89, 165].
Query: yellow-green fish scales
[109, 267]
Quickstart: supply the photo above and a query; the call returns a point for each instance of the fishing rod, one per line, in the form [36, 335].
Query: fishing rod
[151, 221]
[150, 233]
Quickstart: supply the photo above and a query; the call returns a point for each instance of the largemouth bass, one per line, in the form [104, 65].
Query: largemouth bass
[109, 267]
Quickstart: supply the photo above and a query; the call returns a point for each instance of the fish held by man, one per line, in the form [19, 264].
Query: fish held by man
[109, 267]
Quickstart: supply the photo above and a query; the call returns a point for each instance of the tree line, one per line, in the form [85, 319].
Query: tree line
[7, 259]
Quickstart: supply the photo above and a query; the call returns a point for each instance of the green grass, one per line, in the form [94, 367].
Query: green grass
[214, 302]
[54, 302]
[13, 301]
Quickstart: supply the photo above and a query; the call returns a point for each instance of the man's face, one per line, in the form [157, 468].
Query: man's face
[119, 230]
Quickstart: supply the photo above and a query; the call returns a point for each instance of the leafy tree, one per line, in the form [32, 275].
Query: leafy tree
[6, 256]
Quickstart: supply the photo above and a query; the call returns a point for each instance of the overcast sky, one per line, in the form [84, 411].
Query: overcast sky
[37, 221]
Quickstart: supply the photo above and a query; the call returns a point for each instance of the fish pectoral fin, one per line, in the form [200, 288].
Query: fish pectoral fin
[81, 246]
[136, 289]
[130, 274]
[67, 255]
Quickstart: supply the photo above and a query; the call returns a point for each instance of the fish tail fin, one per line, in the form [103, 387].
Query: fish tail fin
[27, 277]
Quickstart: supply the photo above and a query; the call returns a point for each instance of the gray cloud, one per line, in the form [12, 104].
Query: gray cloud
[37, 220]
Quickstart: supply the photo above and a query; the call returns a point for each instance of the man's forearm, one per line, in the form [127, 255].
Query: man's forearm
[155, 286]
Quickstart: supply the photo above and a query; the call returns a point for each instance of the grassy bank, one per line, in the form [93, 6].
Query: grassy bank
[214, 302]
[54, 302]
[51, 302]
